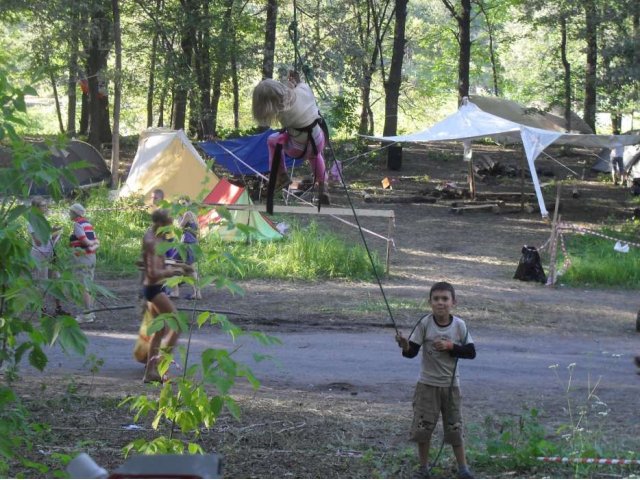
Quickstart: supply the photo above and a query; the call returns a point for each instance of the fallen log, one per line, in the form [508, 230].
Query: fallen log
[491, 207]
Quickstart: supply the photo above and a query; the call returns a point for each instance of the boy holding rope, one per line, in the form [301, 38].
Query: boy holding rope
[445, 339]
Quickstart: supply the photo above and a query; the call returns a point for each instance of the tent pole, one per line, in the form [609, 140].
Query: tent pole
[522, 167]
[553, 248]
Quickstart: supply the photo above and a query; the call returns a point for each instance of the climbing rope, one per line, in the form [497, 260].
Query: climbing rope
[364, 240]
[293, 34]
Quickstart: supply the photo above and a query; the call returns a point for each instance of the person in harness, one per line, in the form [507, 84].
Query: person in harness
[303, 134]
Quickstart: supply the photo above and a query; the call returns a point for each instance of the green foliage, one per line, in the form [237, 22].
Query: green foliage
[24, 330]
[187, 402]
[515, 443]
[399, 464]
[594, 262]
[342, 113]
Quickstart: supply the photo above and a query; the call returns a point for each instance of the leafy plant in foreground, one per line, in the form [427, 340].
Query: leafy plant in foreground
[192, 402]
[24, 329]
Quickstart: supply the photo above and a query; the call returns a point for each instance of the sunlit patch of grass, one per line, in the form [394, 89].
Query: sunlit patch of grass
[307, 253]
[594, 262]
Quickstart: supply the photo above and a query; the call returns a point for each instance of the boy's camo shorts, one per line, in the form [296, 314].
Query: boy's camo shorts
[428, 403]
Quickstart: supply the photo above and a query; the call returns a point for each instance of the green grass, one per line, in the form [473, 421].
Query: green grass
[594, 262]
[307, 253]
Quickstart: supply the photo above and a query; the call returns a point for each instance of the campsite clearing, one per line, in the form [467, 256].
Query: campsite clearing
[351, 424]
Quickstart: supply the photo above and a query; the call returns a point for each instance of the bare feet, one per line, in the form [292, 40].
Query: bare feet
[151, 371]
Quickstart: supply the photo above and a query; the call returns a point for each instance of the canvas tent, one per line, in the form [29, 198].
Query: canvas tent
[167, 160]
[226, 193]
[93, 172]
[245, 155]
[531, 117]
[471, 123]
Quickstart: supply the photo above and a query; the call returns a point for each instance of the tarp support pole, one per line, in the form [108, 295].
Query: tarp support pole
[522, 166]
[553, 248]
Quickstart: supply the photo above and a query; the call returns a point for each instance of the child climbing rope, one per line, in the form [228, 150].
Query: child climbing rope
[295, 107]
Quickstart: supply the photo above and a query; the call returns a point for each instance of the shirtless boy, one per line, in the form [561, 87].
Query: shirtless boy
[155, 271]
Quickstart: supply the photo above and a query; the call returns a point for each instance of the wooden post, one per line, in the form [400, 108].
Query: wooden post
[389, 243]
[553, 248]
[472, 180]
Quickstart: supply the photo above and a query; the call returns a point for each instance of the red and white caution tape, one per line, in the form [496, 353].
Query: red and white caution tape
[544, 245]
[594, 461]
[590, 461]
[585, 231]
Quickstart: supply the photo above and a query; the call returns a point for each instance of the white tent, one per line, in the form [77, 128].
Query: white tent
[167, 160]
[470, 123]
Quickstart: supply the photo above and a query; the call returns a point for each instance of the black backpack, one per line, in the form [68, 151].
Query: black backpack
[530, 267]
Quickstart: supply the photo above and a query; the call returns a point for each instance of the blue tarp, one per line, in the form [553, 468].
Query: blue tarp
[252, 150]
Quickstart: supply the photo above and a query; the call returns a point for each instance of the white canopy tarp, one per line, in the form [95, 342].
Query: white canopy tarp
[471, 123]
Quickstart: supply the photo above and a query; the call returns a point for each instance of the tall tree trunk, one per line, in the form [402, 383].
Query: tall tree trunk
[464, 25]
[163, 97]
[567, 72]
[365, 96]
[72, 85]
[492, 50]
[182, 78]
[234, 82]
[151, 87]
[392, 85]
[205, 74]
[616, 123]
[591, 22]
[222, 58]
[97, 53]
[463, 19]
[84, 114]
[270, 39]
[117, 88]
[181, 90]
[52, 79]
[635, 18]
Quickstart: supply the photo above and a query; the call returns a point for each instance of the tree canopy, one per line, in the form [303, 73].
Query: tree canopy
[192, 63]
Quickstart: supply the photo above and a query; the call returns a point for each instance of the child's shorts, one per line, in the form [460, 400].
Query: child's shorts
[85, 268]
[428, 403]
[617, 165]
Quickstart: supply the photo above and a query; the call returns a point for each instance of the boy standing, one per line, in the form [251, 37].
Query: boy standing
[445, 339]
[84, 243]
